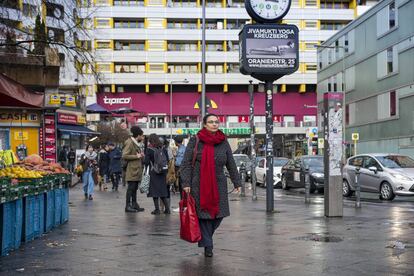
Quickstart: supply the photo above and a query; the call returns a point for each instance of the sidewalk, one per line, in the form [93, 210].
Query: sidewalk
[100, 239]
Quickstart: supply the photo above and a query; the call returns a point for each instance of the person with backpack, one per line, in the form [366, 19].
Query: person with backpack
[179, 159]
[156, 157]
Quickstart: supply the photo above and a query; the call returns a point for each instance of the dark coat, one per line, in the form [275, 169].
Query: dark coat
[103, 162]
[190, 177]
[158, 182]
[115, 156]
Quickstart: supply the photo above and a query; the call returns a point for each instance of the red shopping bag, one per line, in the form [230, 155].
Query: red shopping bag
[190, 229]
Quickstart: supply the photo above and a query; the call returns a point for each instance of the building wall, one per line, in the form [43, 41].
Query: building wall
[370, 102]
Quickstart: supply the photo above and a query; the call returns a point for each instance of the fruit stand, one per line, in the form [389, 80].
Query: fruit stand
[34, 198]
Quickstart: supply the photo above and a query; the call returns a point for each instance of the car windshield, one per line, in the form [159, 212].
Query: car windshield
[278, 162]
[241, 159]
[313, 162]
[396, 161]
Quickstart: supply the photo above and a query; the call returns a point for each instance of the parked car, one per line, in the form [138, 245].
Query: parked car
[293, 173]
[386, 174]
[278, 163]
[243, 158]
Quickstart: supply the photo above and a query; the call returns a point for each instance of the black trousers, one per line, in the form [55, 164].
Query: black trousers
[115, 178]
[207, 228]
[131, 194]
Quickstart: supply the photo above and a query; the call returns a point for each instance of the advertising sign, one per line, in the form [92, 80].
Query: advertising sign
[67, 118]
[269, 49]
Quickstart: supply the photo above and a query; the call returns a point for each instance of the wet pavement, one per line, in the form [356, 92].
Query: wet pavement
[100, 239]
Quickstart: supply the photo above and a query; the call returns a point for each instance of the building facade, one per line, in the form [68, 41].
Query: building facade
[376, 52]
[145, 49]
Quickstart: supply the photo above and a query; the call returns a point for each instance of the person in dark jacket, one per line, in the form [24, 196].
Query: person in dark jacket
[115, 166]
[71, 160]
[205, 179]
[103, 164]
[63, 157]
[158, 181]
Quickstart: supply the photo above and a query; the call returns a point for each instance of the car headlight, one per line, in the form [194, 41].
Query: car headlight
[399, 176]
[317, 175]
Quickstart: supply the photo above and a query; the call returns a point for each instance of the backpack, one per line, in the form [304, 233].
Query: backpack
[180, 155]
[160, 161]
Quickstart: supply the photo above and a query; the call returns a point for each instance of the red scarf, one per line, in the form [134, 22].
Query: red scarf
[209, 195]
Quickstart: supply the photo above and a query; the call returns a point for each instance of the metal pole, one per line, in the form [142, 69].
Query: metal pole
[171, 107]
[252, 143]
[269, 146]
[307, 185]
[242, 173]
[357, 188]
[203, 61]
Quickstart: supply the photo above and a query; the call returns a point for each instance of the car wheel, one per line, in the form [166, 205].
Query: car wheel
[386, 192]
[284, 183]
[346, 189]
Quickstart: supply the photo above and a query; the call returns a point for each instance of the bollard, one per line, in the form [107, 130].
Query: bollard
[307, 185]
[242, 172]
[357, 188]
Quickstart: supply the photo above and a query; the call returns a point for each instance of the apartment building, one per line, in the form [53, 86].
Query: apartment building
[376, 52]
[145, 49]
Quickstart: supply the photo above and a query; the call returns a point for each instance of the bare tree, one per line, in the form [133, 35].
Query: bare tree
[65, 31]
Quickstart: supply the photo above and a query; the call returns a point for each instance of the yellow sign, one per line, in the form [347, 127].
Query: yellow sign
[81, 119]
[355, 136]
[54, 99]
[321, 143]
[21, 135]
[70, 100]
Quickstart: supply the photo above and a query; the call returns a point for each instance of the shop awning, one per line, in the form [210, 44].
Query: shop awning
[14, 94]
[76, 129]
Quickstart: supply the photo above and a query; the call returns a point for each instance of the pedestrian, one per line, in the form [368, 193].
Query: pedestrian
[89, 165]
[63, 157]
[71, 160]
[103, 164]
[205, 179]
[115, 166]
[133, 157]
[156, 157]
[178, 161]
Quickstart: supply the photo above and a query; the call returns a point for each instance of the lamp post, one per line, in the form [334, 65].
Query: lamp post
[343, 98]
[171, 103]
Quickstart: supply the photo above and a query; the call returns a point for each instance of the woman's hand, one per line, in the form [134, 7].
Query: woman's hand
[237, 190]
[187, 189]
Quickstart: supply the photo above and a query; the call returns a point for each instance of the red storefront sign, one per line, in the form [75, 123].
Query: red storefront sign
[50, 138]
[67, 119]
[243, 119]
[277, 118]
[222, 119]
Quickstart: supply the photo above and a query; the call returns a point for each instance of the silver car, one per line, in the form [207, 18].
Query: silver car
[386, 174]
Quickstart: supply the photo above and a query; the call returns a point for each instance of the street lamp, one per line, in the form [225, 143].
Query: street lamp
[171, 103]
[343, 95]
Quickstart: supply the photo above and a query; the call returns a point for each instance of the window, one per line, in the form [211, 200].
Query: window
[393, 103]
[182, 46]
[350, 78]
[387, 105]
[183, 68]
[310, 46]
[235, 3]
[103, 67]
[387, 19]
[181, 24]
[103, 22]
[130, 45]
[214, 68]
[103, 44]
[311, 24]
[85, 44]
[102, 2]
[310, 67]
[356, 161]
[233, 68]
[387, 62]
[347, 114]
[233, 46]
[392, 15]
[156, 45]
[371, 162]
[130, 68]
[156, 68]
[329, 4]
[214, 46]
[155, 23]
[311, 3]
[129, 23]
[128, 3]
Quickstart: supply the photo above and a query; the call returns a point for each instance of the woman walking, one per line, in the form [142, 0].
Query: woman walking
[89, 163]
[156, 157]
[103, 164]
[204, 178]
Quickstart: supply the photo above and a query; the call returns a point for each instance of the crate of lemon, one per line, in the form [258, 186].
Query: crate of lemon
[17, 182]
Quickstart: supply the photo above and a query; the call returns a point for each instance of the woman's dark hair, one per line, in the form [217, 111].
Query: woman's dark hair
[154, 140]
[89, 145]
[208, 115]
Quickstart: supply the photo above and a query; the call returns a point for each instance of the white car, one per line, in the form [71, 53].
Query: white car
[278, 163]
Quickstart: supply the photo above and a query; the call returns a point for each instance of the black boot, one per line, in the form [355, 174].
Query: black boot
[166, 201]
[129, 209]
[136, 207]
[208, 251]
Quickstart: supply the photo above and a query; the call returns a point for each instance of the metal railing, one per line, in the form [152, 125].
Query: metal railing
[226, 125]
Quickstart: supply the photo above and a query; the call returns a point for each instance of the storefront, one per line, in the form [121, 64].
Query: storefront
[71, 130]
[19, 131]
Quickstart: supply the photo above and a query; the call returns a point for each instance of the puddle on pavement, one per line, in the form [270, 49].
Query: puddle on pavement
[319, 238]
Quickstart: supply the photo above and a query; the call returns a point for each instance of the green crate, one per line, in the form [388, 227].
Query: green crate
[4, 196]
[14, 192]
[5, 182]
